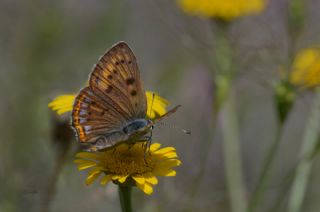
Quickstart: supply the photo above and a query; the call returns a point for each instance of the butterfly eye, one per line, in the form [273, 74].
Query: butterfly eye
[100, 141]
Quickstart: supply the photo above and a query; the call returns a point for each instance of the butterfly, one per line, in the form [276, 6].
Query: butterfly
[113, 108]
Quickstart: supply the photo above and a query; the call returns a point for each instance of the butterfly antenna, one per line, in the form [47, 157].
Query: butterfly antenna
[153, 95]
[188, 132]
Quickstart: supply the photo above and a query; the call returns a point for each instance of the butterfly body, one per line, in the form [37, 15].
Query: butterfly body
[132, 132]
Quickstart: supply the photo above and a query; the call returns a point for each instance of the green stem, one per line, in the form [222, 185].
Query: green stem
[232, 156]
[266, 171]
[309, 143]
[125, 198]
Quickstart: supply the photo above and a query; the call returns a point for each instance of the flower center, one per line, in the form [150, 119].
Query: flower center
[128, 162]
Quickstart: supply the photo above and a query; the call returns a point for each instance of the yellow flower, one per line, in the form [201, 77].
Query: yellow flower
[155, 103]
[224, 9]
[62, 104]
[129, 164]
[306, 68]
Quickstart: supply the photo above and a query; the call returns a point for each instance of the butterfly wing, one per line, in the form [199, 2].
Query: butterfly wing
[114, 96]
[116, 79]
[91, 117]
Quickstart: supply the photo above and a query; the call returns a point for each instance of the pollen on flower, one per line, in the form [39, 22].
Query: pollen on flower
[128, 161]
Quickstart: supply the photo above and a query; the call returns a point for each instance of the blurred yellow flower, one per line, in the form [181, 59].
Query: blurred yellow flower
[129, 164]
[306, 68]
[62, 104]
[224, 9]
[155, 103]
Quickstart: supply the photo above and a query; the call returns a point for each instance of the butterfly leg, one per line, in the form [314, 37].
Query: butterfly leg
[146, 146]
[149, 142]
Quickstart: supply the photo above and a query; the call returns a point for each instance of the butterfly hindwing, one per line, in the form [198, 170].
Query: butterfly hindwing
[91, 117]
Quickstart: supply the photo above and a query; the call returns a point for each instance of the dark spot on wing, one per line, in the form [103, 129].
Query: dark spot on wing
[99, 66]
[97, 80]
[130, 81]
[110, 77]
[122, 61]
[102, 113]
[129, 62]
[86, 100]
[133, 93]
[115, 71]
[117, 63]
[109, 89]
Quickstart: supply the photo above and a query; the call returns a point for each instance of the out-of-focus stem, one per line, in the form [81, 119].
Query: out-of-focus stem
[266, 171]
[232, 155]
[309, 143]
[52, 182]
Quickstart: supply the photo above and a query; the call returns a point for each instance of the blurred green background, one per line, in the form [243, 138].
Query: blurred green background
[48, 48]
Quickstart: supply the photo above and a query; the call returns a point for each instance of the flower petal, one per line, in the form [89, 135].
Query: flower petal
[156, 105]
[87, 165]
[165, 150]
[225, 10]
[62, 104]
[170, 155]
[306, 68]
[79, 161]
[122, 179]
[93, 175]
[115, 177]
[150, 178]
[139, 179]
[169, 163]
[146, 188]
[105, 179]
[165, 172]
[154, 147]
